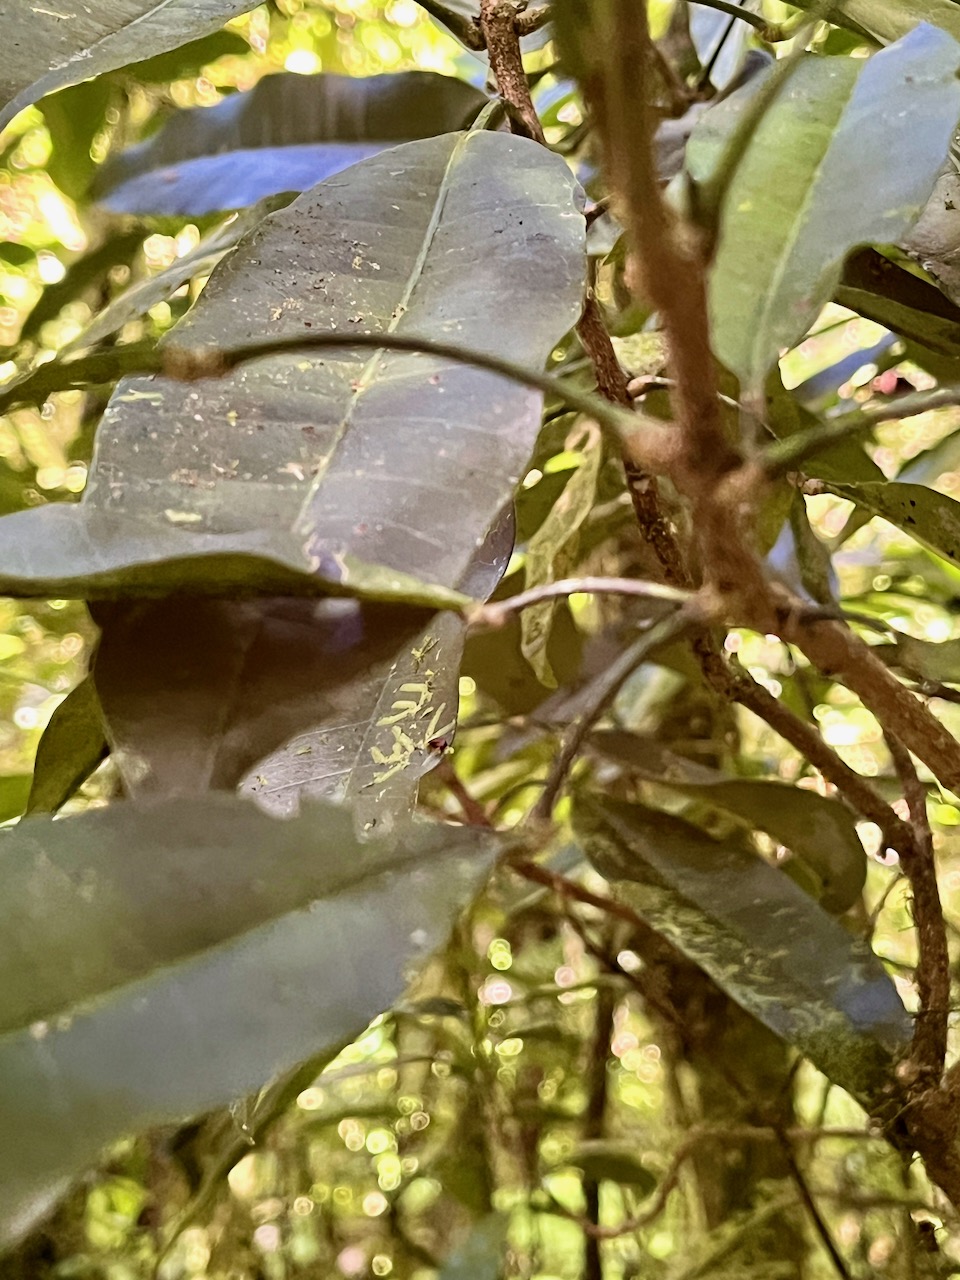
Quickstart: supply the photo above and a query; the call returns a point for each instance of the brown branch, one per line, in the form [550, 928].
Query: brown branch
[498, 22]
[929, 1047]
[805, 738]
[840, 654]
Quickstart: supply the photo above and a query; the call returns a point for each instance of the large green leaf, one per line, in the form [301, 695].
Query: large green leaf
[286, 134]
[161, 960]
[847, 153]
[291, 698]
[49, 46]
[760, 937]
[312, 458]
[821, 832]
[891, 19]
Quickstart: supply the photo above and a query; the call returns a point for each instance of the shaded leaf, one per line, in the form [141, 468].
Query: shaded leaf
[291, 698]
[924, 659]
[74, 117]
[14, 789]
[847, 152]
[821, 832]
[72, 746]
[317, 459]
[286, 134]
[92, 268]
[891, 19]
[603, 1159]
[136, 300]
[161, 960]
[759, 937]
[188, 60]
[878, 289]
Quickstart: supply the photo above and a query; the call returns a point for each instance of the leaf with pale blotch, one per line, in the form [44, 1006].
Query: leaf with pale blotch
[847, 153]
[160, 960]
[759, 937]
[821, 832]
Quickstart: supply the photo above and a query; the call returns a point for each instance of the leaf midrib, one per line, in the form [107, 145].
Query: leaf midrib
[367, 376]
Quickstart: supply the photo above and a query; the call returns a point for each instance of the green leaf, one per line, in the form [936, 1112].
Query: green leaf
[161, 960]
[759, 937]
[891, 19]
[847, 153]
[930, 517]
[320, 459]
[136, 300]
[14, 789]
[878, 289]
[603, 1159]
[821, 832]
[91, 269]
[72, 746]
[46, 48]
[188, 60]
[74, 117]
[551, 554]
[924, 659]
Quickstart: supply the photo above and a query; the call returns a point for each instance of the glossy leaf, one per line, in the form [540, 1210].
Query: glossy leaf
[287, 134]
[46, 48]
[847, 152]
[761, 938]
[821, 832]
[315, 458]
[159, 961]
[72, 746]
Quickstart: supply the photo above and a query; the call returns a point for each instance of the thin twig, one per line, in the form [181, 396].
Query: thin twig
[606, 689]
[192, 364]
[810, 1204]
[804, 737]
[495, 614]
